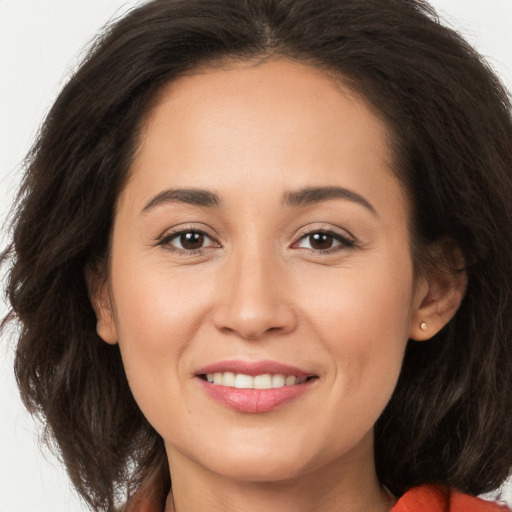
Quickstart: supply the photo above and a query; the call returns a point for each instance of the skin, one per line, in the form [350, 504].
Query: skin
[258, 288]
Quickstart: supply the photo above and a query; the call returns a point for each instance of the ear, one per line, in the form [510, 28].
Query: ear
[439, 293]
[99, 295]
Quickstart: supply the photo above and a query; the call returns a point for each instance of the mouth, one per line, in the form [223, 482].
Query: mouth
[254, 387]
[262, 381]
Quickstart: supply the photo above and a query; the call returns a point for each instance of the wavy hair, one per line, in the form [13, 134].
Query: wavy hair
[450, 418]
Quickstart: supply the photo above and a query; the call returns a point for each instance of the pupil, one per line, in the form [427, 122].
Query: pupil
[321, 241]
[192, 240]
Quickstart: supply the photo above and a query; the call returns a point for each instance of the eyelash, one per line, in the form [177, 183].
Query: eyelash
[344, 241]
[166, 240]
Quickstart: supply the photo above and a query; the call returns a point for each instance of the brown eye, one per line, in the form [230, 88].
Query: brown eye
[191, 241]
[188, 241]
[321, 241]
[324, 241]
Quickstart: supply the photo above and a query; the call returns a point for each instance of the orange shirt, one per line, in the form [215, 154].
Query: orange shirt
[428, 498]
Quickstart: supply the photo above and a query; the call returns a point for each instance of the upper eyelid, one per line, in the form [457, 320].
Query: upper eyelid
[185, 228]
[342, 233]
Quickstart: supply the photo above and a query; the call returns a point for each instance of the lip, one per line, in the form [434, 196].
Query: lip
[254, 401]
[253, 368]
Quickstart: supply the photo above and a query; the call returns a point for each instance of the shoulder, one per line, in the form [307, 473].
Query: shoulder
[430, 498]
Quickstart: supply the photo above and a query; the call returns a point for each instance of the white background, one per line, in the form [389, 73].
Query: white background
[40, 42]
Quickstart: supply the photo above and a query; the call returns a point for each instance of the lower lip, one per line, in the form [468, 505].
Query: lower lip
[255, 400]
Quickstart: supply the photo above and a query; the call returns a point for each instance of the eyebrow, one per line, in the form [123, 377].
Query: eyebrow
[193, 196]
[302, 197]
[312, 195]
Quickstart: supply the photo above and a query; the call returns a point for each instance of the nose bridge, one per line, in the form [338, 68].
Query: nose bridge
[254, 301]
[255, 274]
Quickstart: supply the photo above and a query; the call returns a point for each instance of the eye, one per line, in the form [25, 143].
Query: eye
[188, 241]
[324, 241]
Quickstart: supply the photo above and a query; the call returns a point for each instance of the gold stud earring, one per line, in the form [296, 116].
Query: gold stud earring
[424, 326]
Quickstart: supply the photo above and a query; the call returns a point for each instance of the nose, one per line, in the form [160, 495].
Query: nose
[253, 300]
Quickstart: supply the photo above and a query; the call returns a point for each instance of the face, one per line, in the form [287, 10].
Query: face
[261, 242]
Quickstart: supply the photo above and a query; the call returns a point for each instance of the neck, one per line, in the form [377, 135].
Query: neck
[349, 486]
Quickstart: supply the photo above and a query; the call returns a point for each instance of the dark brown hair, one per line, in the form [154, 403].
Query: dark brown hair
[450, 418]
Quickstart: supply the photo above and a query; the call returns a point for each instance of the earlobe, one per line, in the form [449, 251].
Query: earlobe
[102, 305]
[439, 300]
[105, 325]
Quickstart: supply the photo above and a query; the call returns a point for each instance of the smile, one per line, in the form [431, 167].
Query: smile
[254, 387]
[243, 381]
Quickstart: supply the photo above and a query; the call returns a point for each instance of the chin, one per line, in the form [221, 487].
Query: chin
[262, 463]
[258, 471]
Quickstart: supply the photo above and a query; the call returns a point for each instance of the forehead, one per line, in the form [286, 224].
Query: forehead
[239, 127]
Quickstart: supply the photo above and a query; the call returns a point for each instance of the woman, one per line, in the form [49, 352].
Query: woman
[263, 250]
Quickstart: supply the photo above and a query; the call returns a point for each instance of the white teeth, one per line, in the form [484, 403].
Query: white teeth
[229, 379]
[278, 381]
[263, 381]
[291, 380]
[242, 381]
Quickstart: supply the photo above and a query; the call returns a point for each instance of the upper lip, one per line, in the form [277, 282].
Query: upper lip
[253, 368]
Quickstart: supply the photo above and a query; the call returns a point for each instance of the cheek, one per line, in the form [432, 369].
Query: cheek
[154, 303]
[158, 314]
[363, 322]
[363, 307]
